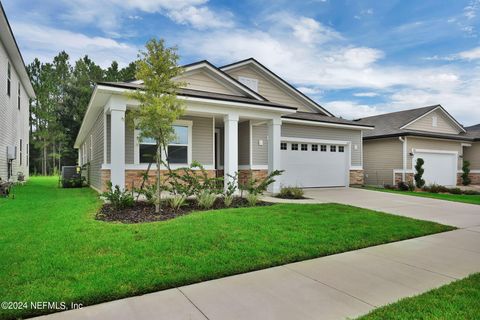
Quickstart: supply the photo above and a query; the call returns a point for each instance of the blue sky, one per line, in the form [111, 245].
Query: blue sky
[356, 58]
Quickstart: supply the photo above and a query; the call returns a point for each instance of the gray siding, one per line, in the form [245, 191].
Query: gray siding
[315, 132]
[14, 123]
[202, 139]
[260, 153]
[380, 158]
[202, 81]
[129, 144]
[444, 124]
[244, 143]
[472, 154]
[96, 156]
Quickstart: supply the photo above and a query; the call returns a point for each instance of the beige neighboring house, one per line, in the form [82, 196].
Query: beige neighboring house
[239, 117]
[431, 133]
[15, 92]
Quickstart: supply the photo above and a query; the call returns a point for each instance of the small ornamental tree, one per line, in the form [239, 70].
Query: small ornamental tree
[159, 106]
[466, 171]
[419, 182]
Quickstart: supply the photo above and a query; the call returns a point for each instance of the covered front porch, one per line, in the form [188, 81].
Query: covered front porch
[225, 137]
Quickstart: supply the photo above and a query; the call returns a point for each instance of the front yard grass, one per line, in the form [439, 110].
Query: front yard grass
[472, 199]
[52, 248]
[458, 300]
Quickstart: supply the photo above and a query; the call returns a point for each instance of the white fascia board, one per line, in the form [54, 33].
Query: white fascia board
[433, 110]
[279, 80]
[226, 78]
[326, 124]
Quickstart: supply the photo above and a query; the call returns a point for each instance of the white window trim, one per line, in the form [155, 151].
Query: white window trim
[185, 123]
[91, 147]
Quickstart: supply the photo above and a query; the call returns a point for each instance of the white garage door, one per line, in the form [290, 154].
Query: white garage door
[314, 165]
[440, 168]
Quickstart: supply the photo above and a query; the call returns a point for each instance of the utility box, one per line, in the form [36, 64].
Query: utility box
[11, 153]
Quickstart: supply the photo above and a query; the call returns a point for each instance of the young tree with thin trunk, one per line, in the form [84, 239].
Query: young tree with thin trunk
[159, 107]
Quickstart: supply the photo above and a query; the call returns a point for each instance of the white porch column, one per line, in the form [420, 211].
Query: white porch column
[274, 138]
[231, 146]
[117, 147]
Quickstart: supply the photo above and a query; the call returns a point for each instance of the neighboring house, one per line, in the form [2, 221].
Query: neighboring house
[15, 92]
[472, 154]
[240, 117]
[431, 133]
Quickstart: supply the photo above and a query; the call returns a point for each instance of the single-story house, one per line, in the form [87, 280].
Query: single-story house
[241, 117]
[431, 133]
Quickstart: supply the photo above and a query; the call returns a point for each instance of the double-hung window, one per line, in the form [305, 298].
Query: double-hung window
[18, 96]
[177, 150]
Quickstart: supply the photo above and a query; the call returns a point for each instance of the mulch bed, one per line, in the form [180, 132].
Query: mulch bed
[144, 212]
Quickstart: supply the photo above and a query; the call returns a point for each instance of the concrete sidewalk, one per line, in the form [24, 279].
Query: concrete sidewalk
[334, 287]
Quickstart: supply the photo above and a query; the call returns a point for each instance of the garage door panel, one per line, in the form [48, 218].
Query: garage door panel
[440, 168]
[314, 168]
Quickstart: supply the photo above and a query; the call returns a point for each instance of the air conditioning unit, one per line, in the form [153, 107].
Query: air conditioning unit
[11, 153]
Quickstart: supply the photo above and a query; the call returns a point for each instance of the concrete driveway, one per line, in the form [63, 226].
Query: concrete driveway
[456, 214]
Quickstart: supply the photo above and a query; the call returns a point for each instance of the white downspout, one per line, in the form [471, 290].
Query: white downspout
[404, 158]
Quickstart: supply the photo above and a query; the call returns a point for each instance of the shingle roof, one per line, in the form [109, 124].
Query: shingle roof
[389, 124]
[201, 94]
[317, 117]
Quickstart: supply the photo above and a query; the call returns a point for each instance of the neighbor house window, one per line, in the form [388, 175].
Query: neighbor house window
[21, 151]
[341, 149]
[178, 149]
[323, 148]
[294, 146]
[9, 78]
[148, 150]
[283, 146]
[304, 147]
[333, 148]
[18, 96]
[314, 147]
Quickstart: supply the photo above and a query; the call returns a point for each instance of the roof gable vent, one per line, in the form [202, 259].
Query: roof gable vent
[249, 82]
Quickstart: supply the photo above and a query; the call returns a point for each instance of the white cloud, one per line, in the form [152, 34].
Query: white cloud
[308, 30]
[108, 16]
[45, 42]
[366, 94]
[310, 90]
[472, 54]
[350, 109]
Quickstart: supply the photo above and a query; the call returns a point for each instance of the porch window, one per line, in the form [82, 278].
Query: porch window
[177, 150]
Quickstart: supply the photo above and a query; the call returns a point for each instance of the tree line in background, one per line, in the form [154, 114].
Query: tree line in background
[62, 95]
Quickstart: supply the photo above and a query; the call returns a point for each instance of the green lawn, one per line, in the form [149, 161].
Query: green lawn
[458, 300]
[443, 196]
[52, 248]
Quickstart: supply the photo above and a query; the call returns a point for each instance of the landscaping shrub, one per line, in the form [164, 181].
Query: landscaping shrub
[256, 187]
[118, 199]
[471, 192]
[291, 193]
[150, 193]
[177, 201]
[402, 186]
[465, 172]
[419, 182]
[411, 186]
[206, 199]
[455, 191]
[388, 186]
[230, 190]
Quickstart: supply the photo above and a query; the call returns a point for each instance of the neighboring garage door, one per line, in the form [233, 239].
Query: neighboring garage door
[440, 168]
[314, 165]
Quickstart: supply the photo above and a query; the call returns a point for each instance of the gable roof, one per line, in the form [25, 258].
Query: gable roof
[279, 80]
[473, 128]
[226, 77]
[394, 123]
[200, 94]
[8, 40]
